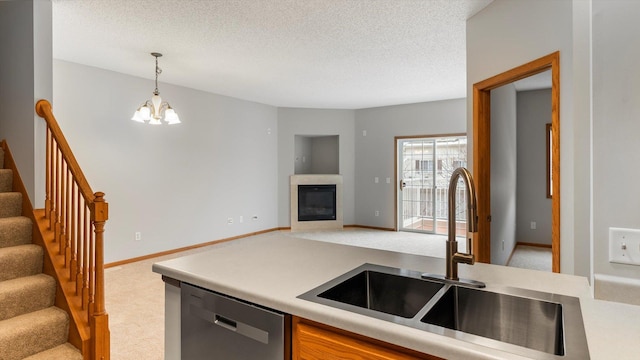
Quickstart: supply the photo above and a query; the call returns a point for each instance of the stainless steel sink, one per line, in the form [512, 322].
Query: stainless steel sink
[378, 291]
[531, 323]
[523, 322]
[392, 294]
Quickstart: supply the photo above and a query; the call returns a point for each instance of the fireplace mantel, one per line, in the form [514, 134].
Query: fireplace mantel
[315, 179]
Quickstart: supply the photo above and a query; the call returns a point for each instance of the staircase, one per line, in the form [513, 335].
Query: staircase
[31, 327]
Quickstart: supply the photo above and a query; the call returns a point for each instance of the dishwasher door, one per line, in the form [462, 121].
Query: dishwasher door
[215, 326]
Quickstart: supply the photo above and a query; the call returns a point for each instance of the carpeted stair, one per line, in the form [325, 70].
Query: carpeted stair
[31, 327]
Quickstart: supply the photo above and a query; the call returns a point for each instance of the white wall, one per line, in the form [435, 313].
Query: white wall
[313, 122]
[533, 113]
[375, 151]
[507, 34]
[178, 184]
[616, 125]
[504, 164]
[25, 77]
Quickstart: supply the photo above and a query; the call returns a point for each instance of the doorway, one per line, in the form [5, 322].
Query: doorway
[482, 150]
[424, 167]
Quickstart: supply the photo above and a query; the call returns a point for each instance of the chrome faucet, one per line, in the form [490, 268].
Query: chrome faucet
[453, 257]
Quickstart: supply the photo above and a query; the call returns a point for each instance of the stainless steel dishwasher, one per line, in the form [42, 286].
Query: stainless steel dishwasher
[216, 326]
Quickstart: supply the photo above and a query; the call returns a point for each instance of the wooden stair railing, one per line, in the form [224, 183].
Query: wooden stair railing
[72, 225]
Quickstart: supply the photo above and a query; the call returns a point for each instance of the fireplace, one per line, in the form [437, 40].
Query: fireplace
[316, 202]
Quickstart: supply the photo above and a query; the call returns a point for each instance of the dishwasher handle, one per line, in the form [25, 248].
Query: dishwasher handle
[241, 328]
[225, 323]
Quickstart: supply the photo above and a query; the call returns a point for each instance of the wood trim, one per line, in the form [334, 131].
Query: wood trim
[547, 246]
[191, 247]
[323, 342]
[197, 246]
[482, 149]
[370, 227]
[549, 172]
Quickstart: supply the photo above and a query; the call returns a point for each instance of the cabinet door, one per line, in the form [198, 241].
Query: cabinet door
[313, 341]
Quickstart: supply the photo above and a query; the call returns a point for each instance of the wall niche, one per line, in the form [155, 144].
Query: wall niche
[316, 154]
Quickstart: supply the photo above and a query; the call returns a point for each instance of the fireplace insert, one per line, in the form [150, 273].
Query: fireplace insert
[316, 202]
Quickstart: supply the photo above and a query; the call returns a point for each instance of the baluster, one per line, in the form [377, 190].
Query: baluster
[86, 262]
[80, 249]
[72, 232]
[92, 265]
[62, 213]
[67, 217]
[47, 200]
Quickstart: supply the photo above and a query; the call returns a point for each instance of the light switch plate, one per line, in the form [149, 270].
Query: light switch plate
[624, 246]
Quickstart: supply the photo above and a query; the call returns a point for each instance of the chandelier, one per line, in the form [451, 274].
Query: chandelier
[156, 111]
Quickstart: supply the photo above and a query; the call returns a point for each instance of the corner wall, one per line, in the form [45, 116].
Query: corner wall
[375, 151]
[312, 122]
[507, 34]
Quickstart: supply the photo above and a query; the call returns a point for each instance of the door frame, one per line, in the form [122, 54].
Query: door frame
[482, 150]
[397, 179]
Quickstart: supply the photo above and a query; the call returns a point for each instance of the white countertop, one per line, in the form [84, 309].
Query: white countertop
[273, 269]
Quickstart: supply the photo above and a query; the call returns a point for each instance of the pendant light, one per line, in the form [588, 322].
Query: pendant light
[156, 111]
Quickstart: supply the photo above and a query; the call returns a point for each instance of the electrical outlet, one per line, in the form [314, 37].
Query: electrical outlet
[624, 246]
[241, 219]
[138, 236]
[533, 225]
[376, 179]
[229, 221]
[377, 213]
[388, 180]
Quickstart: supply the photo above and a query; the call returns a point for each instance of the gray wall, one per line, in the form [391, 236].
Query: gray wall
[375, 151]
[302, 154]
[325, 155]
[25, 77]
[507, 34]
[504, 164]
[178, 184]
[314, 122]
[616, 125]
[534, 112]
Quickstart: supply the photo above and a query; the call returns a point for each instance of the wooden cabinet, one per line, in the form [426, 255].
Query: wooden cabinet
[314, 341]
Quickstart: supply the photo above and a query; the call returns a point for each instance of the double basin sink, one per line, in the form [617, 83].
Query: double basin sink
[523, 322]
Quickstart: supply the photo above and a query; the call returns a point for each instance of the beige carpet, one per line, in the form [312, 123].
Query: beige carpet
[135, 295]
[531, 257]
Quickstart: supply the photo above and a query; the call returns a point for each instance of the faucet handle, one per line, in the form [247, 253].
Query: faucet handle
[470, 249]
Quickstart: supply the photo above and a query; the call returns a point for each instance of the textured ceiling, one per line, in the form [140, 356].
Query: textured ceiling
[345, 54]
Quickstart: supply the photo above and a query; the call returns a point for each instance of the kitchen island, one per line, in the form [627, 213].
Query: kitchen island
[274, 269]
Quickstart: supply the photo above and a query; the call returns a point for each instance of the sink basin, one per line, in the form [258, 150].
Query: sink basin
[378, 291]
[527, 323]
[532, 323]
[392, 294]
